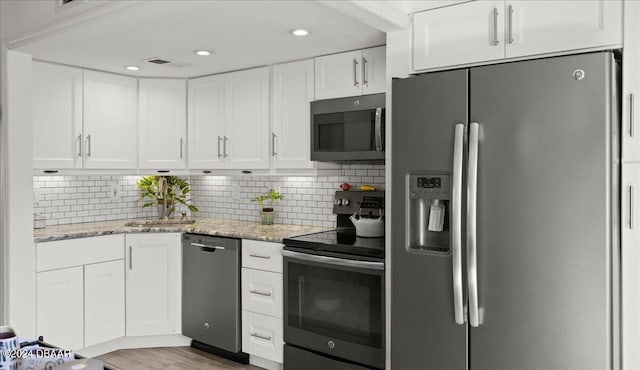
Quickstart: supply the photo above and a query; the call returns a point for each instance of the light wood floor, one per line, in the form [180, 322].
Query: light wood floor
[169, 358]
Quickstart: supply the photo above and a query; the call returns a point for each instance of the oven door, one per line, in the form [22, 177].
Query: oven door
[335, 306]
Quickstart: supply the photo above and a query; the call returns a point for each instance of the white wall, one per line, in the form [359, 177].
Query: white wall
[19, 203]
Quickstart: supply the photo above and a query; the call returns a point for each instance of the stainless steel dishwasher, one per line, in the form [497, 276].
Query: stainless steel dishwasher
[211, 291]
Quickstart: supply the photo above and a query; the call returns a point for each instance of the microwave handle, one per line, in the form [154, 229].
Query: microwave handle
[378, 128]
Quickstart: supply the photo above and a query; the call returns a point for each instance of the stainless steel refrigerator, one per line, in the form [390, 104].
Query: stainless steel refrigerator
[505, 234]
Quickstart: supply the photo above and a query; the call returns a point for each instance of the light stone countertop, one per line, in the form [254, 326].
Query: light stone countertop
[206, 226]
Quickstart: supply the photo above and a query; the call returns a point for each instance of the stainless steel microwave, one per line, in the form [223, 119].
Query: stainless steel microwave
[348, 129]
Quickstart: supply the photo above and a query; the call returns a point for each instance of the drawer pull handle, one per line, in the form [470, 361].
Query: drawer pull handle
[260, 256]
[266, 294]
[260, 336]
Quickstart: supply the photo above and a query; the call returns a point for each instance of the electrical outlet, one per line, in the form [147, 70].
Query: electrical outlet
[115, 192]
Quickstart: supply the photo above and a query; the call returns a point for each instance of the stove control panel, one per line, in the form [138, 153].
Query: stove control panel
[348, 202]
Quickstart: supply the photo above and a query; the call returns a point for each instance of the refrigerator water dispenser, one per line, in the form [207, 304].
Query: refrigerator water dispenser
[428, 205]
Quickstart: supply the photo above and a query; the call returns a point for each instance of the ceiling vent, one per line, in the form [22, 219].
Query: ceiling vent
[166, 63]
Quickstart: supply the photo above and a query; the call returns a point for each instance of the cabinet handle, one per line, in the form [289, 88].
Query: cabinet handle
[219, 138]
[79, 145]
[495, 27]
[260, 336]
[510, 29]
[181, 147]
[260, 256]
[273, 144]
[89, 145]
[631, 122]
[355, 72]
[266, 294]
[630, 206]
[365, 82]
[225, 146]
[130, 258]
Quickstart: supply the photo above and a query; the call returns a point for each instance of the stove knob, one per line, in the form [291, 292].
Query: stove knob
[331, 344]
[336, 202]
[345, 202]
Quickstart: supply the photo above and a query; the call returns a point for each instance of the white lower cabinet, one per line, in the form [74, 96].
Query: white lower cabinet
[262, 300]
[630, 272]
[60, 311]
[153, 282]
[80, 291]
[262, 336]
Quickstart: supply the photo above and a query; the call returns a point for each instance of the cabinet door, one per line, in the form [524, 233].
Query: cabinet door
[535, 27]
[374, 70]
[459, 34]
[292, 94]
[631, 85]
[153, 273]
[57, 116]
[338, 75]
[60, 307]
[110, 116]
[206, 122]
[630, 271]
[247, 119]
[162, 118]
[103, 302]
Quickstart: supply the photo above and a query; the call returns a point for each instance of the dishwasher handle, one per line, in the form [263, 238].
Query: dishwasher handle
[207, 248]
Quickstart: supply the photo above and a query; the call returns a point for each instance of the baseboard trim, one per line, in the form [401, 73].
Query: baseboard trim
[149, 341]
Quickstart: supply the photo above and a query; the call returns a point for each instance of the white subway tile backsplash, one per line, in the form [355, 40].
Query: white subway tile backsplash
[307, 200]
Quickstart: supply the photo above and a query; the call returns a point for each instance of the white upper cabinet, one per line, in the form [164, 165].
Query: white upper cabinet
[536, 27]
[292, 93]
[110, 121]
[206, 122]
[246, 142]
[480, 31]
[229, 120]
[162, 118]
[57, 116]
[350, 74]
[631, 86]
[459, 34]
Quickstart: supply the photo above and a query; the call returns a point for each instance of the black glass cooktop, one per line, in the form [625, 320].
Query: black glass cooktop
[339, 242]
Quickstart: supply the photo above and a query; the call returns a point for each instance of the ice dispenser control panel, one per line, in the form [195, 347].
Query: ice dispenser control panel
[428, 202]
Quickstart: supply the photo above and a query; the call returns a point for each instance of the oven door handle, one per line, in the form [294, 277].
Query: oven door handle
[334, 260]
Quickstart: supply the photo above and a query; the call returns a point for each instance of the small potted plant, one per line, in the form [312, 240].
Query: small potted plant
[266, 211]
[165, 192]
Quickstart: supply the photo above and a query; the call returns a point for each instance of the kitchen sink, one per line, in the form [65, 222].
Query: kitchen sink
[138, 223]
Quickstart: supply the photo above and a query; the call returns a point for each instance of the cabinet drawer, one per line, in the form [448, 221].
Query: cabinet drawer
[262, 255]
[75, 252]
[262, 292]
[262, 336]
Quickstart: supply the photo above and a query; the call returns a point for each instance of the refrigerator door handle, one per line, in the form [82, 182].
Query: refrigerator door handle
[378, 129]
[472, 192]
[456, 223]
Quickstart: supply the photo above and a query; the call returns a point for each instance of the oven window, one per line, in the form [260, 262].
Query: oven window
[340, 304]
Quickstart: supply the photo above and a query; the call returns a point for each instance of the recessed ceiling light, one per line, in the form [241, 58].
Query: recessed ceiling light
[203, 53]
[132, 68]
[300, 32]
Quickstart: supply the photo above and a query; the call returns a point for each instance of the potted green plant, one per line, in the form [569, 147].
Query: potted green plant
[266, 211]
[165, 192]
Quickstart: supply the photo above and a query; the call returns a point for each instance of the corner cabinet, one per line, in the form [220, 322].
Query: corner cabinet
[352, 73]
[57, 116]
[480, 31]
[110, 121]
[229, 120]
[80, 291]
[162, 120]
[153, 281]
